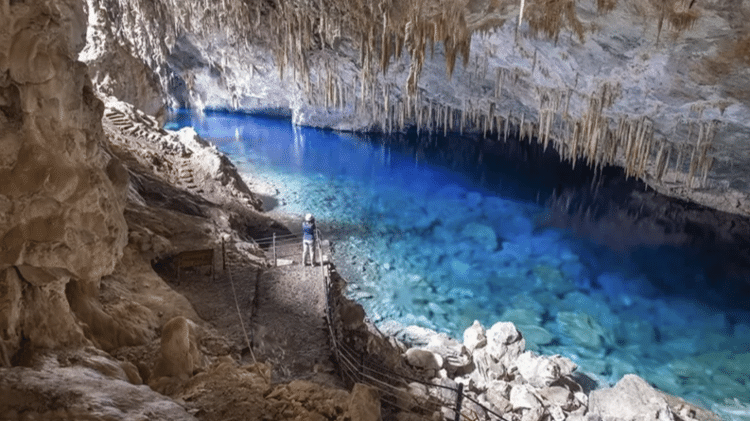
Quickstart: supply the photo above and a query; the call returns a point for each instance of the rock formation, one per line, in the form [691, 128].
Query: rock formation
[497, 377]
[654, 87]
[61, 194]
[84, 215]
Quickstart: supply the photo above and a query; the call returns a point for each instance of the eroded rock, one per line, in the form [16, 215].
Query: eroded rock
[631, 399]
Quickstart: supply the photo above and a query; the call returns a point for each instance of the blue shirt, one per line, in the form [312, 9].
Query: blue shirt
[308, 231]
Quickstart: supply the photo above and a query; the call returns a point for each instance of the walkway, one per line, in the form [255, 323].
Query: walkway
[288, 314]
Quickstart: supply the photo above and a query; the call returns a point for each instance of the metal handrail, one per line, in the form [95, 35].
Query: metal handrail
[355, 366]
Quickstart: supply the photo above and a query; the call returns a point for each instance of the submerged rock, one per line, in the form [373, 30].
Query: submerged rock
[583, 329]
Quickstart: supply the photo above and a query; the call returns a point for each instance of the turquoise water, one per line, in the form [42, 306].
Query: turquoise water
[440, 232]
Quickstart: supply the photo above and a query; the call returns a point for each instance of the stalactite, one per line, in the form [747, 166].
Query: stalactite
[463, 117]
[445, 120]
[505, 129]
[693, 162]
[678, 164]
[574, 146]
[668, 159]
[548, 125]
[491, 118]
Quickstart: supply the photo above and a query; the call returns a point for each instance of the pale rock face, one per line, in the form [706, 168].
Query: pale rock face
[522, 396]
[678, 92]
[62, 216]
[475, 336]
[114, 70]
[631, 399]
[504, 342]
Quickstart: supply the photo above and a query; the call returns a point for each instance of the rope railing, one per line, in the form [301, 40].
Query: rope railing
[358, 367]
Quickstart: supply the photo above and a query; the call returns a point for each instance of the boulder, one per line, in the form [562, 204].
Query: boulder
[180, 355]
[582, 328]
[364, 403]
[560, 397]
[631, 399]
[504, 342]
[475, 336]
[422, 358]
[541, 371]
[523, 396]
[482, 234]
[498, 394]
[456, 358]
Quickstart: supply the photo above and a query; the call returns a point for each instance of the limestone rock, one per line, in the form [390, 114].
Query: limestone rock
[475, 336]
[498, 394]
[541, 371]
[583, 329]
[482, 234]
[114, 70]
[504, 342]
[456, 358]
[364, 403]
[560, 397]
[62, 214]
[80, 392]
[631, 399]
[522, 396]
[424, 359]
[180, 355]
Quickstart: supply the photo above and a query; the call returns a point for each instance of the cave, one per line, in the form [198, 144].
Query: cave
[531, 210]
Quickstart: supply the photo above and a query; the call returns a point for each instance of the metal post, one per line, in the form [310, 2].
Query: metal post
[274, 250]
[459, 398]
[223, 255]
[362, 365]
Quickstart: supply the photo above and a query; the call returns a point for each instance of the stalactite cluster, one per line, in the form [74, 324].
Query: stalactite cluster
[384, 31]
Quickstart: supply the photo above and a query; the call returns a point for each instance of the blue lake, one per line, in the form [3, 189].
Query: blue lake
[441, 231]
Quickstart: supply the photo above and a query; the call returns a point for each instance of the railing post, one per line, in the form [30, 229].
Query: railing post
[223, 255]
[362, 365]
[274, 250]
[459, 399]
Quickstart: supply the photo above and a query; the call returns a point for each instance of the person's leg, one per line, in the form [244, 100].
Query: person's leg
[307, 250]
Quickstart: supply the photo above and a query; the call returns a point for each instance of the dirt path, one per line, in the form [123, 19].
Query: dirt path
[288, 315]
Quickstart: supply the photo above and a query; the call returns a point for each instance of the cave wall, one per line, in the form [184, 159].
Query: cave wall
[61, 195]
[656, 87]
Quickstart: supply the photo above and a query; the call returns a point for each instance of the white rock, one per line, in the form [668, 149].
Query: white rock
[631, 399]
[475, 336]
[504, 342]
[423, 358]
[522, 396]
[541, 371]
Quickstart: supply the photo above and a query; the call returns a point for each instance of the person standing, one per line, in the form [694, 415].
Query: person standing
[309, 239]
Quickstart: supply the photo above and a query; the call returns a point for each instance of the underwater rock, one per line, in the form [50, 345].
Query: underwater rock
[482, 234]
[535, 336]
[583, 329]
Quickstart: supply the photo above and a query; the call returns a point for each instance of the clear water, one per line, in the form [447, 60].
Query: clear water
[440, 232]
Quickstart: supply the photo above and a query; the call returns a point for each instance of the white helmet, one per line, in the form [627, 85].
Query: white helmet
[309, 217]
